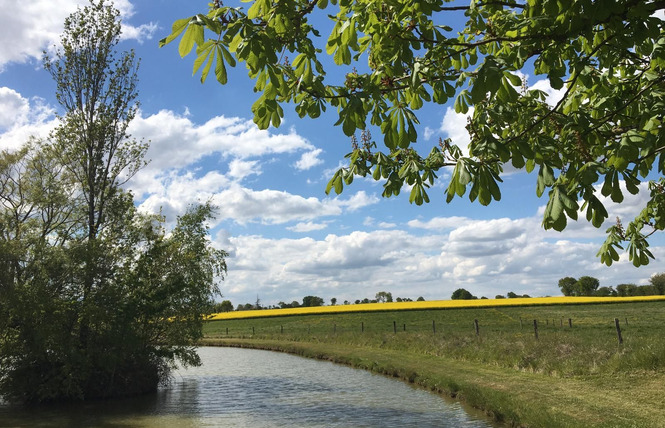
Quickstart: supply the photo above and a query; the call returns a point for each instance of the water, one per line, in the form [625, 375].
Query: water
[250, 388]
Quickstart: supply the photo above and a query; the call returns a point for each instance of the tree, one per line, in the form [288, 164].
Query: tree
[586, 286]
[567, 285]
[96, 299]
[624, 290]
[308, 301]
[658, 282]
[605, 292]
[512, 295]
[384, 297]
[225, 306]
[461, 294]
[420, 299]
[333, 301]
[98, 92]
[603, 137]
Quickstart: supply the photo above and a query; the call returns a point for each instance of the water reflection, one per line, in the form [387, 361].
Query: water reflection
[249, 388]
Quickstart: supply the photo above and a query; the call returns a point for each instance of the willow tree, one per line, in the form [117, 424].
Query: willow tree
[604, 136]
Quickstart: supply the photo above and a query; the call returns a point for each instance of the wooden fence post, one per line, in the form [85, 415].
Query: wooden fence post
[281, 329]
[227, 331]
[535, 328]
[433, 327]
[252, 329]
[616, 323]
[395, 327]
[475, 324]
[362, 327]
[521, 323]
[334, 328]
[570, 322]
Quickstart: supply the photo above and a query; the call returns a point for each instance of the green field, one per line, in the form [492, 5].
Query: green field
[568, 376]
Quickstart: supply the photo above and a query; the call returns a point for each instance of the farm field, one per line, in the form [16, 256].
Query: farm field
[575, 373]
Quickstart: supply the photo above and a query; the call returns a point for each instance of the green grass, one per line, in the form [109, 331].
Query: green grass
[577, 376]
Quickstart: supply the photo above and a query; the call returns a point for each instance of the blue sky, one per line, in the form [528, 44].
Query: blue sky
[286, 238]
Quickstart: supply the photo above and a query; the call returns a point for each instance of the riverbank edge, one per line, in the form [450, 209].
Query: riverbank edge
[508, 397]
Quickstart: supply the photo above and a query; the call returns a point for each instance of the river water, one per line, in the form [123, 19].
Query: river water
[262, 389]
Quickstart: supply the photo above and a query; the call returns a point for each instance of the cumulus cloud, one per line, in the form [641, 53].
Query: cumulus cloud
[453, 126]
[33, 26]
[239, 169]
[177, 142]
[359, 264]
[553, 95]
[309, 160]
[22, 118]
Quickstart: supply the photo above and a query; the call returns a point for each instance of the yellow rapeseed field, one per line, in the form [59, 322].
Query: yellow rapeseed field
[434, 304]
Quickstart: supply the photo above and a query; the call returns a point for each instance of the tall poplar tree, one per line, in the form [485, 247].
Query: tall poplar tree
[96, 86]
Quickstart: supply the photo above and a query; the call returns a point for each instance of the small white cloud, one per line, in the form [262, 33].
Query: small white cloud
[239, 169]
[553, 95]
[427, 134]
[386, 225]
[140, 34]
[453, 125]
[309, 159]
[439, 223]
[357, 201]
[307, 227]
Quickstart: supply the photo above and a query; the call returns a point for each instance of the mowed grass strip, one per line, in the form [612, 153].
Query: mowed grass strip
[433, 304]
[569, 376]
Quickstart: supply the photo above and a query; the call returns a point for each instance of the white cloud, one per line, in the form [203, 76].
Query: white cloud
[33, 26]
[453, 125]
[359, 264]
[22, 118]
[438, 223]
[309, 159]
[358, 201]
[307, 227]
[176, 142]
[239, 169]
[553, 95]
[428, 132]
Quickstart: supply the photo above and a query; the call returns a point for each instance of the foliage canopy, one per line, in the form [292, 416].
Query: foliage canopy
[603, 137]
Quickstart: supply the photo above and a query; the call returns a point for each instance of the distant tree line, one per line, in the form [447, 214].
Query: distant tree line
[308, 301]
[590, 286]
[463, 294]
[583, 286]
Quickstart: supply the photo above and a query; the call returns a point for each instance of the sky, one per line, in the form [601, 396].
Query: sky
[285, 237]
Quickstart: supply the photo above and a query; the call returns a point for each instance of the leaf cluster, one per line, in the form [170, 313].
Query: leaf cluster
[601, 137]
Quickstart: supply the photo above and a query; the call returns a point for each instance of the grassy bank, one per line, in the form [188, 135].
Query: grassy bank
[568, 376]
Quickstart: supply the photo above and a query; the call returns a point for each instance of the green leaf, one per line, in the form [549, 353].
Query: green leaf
[176, 29]
[220, 69]
[193, 35]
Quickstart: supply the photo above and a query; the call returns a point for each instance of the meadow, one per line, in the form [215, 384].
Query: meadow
[571, 372]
